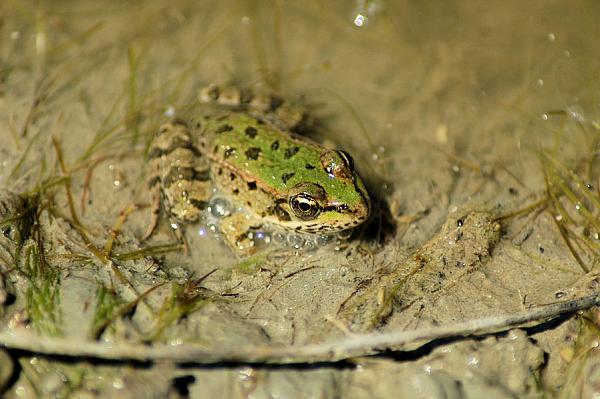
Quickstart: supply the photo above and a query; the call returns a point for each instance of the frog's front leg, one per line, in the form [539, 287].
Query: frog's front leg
[236, 230]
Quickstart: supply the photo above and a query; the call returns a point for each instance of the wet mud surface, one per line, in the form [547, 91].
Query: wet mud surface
[475, 126]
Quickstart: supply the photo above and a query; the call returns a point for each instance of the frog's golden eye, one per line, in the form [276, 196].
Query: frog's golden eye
[305, 206]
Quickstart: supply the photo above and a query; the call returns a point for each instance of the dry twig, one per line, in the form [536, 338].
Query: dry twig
[356, 346]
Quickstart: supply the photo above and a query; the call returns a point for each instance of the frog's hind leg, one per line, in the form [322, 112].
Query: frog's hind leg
[269, 107]
[153, 182]
[179, 178]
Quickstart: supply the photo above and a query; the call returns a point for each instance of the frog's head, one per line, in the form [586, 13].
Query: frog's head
[336, 200]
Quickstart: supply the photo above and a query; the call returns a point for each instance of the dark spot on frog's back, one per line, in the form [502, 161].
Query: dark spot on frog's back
[251, 185]
[251, 132]
[177, 174]
[290, 152]
[309, 166]
[252, 153]
[229, 152]
[224, 128]
[199, 204]
[275, 145]
[287, 176]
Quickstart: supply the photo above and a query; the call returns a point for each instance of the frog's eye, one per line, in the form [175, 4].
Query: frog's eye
[305, 206]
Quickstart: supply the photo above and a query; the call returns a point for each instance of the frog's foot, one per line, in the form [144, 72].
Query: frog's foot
[178, 229]
[264, 106]
[235, 229]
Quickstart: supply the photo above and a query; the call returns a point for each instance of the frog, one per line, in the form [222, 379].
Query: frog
[247, 147]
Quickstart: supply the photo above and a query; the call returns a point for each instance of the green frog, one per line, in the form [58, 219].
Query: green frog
[247, 150]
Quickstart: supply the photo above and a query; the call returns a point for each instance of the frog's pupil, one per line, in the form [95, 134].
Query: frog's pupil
[304, 206]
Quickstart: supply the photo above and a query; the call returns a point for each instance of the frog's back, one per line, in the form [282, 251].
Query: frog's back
[256, 149]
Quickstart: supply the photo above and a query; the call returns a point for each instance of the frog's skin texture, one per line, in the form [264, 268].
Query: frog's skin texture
[250, 155]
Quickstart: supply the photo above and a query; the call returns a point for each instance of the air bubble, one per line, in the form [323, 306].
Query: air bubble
[295, 241]
[310, 245]
[260, 237]
[323, 240]
[220, 207]
[279, 238]
[213, 227]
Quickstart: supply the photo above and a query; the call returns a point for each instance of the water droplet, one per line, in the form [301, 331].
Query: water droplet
[545, 116]
[170, 111]
[551, 37]
[360, 20]
[540, 82]
[118, 383]
[560, 294]
[576, 113]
